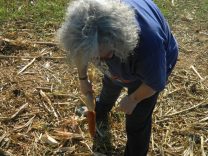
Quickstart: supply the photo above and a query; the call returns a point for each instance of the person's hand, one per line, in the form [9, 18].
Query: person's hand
[127, 105]
[85, 87]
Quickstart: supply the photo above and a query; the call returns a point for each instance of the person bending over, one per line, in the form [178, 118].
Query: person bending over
[131, 43]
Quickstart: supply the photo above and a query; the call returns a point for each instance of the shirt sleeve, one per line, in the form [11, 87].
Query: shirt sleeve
[152, 70]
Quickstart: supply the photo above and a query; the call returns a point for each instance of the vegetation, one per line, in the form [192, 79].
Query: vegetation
[39, 92]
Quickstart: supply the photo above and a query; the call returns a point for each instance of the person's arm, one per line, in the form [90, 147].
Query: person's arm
[128, 103]
[143, 92]
[85, 85]
[82, 72]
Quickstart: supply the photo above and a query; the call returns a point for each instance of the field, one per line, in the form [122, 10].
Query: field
[39, 89]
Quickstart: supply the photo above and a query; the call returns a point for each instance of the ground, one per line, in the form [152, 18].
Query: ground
[39, 90]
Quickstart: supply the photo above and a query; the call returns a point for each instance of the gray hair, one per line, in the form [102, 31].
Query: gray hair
[90, 23]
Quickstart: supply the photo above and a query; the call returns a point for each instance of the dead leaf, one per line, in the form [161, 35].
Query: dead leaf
[72, 123]
[63, 135]
[49, 139]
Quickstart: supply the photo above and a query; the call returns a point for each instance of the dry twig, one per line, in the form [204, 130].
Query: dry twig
[25, 125]
[3, 136]
[21, 109]
[48, 101]
[29, 57]
[25, 67]
[204, 119]
[197, 73]
[202, 146]
[188, 109]
[88, 147]
[32, 61]
[24, 42]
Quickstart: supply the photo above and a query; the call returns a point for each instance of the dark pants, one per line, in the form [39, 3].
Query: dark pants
[138, 124]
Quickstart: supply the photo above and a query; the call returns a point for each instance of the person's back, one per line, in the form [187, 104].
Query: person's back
[156, 52]
[154, 29]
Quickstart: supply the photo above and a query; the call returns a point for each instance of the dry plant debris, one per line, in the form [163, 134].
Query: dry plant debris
[39, 96]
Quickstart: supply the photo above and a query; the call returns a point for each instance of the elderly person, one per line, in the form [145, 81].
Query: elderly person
[131, 43]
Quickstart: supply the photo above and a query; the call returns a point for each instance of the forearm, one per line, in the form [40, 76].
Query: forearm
[143, 92]
[82, 72]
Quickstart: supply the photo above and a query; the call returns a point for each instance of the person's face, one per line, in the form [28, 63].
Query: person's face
[105, 54]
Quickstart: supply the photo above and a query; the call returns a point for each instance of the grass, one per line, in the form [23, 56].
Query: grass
[42, 11]
[202, 11]
[41, 15]
[38, 12]
[165, 7]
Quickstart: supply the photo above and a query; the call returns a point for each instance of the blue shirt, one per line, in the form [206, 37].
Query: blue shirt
[156, 53]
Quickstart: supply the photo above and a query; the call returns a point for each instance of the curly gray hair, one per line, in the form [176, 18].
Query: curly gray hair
[90, 23]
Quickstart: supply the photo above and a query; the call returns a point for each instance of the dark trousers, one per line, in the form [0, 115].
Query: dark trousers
[138, 124]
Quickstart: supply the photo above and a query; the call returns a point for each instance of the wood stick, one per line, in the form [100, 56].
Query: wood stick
[3, 118]
[25, 125]
[162, 120]
[42, 42]
[44, 88]
[202, 146]
[46, 99]
[172, 2]
[25, 67]
[152, 139]
[45, 107]
[197, 73]
[188, 109]
[3, 136]
[33, 60]
[28, 42]
[19, 111]
[88, 147]
[204, 119]
[29, 57]
[176, 90]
